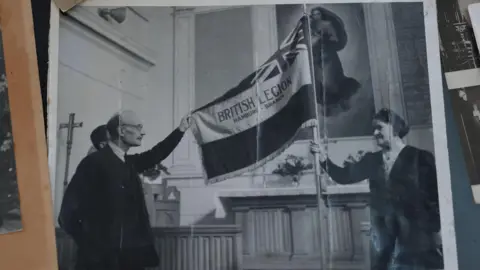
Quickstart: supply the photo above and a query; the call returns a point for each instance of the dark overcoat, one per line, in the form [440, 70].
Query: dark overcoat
[104, 208]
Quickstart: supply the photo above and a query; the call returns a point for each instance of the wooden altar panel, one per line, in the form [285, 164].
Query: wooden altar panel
[282, 232]
[270, 233]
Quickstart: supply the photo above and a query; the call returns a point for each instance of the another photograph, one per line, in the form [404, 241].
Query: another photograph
[289, 136]
[466, 102]
[10, 215]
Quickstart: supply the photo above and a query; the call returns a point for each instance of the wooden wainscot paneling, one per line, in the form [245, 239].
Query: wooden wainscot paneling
[180, 248]
[203, 248]
[278, 232]
[349, 213]
[282, 232]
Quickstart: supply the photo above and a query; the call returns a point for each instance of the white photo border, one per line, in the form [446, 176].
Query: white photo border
[435, 83]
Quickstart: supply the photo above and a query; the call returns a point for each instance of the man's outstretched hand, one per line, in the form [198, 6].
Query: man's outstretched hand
[185, 123]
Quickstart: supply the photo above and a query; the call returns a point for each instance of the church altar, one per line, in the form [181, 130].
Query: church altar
[281, 226]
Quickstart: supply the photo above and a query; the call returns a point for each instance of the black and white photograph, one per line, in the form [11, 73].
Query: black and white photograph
[298, 136]
[10, 216]
[460, 62]
[466, 102]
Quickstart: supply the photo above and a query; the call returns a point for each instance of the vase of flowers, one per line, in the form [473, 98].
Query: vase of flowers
[292, 168]
[154, 172]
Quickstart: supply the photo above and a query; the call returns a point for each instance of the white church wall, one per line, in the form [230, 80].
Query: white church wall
[96, 79]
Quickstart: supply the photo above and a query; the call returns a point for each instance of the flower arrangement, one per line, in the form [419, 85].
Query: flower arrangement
[154, 173]
[293, 166]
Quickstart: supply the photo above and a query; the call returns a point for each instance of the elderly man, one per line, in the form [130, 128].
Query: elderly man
[104, 206]
[404, 207]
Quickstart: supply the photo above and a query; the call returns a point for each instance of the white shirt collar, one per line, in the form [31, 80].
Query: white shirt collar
[117, 151]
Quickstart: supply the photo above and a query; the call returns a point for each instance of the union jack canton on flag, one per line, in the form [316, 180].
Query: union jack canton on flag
[258, 119]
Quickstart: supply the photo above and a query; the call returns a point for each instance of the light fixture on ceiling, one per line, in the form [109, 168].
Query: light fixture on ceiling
[117, 14]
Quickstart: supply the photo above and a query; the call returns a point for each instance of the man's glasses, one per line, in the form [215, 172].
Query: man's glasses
[137, 127]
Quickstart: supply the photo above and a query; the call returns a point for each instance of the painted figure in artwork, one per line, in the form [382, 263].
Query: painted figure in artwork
[404, 207]
[334, 89]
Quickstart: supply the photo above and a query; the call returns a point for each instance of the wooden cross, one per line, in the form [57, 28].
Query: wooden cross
[70, 126]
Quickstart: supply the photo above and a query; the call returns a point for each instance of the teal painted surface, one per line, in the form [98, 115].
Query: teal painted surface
[467, 213]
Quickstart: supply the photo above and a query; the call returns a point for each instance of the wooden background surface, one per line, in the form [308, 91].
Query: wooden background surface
[33, 247]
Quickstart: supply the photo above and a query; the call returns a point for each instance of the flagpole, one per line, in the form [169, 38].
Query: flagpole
[323, 224]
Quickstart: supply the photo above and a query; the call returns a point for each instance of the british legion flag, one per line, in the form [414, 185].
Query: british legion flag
[258, 119]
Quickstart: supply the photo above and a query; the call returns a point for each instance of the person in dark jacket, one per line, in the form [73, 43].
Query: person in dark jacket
[99, 138]
[404, 207]
[104, 208]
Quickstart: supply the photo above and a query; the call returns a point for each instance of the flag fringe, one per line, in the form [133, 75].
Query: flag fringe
[308, 123]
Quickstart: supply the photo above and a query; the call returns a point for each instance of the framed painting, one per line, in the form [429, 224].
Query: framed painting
[221, 185]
